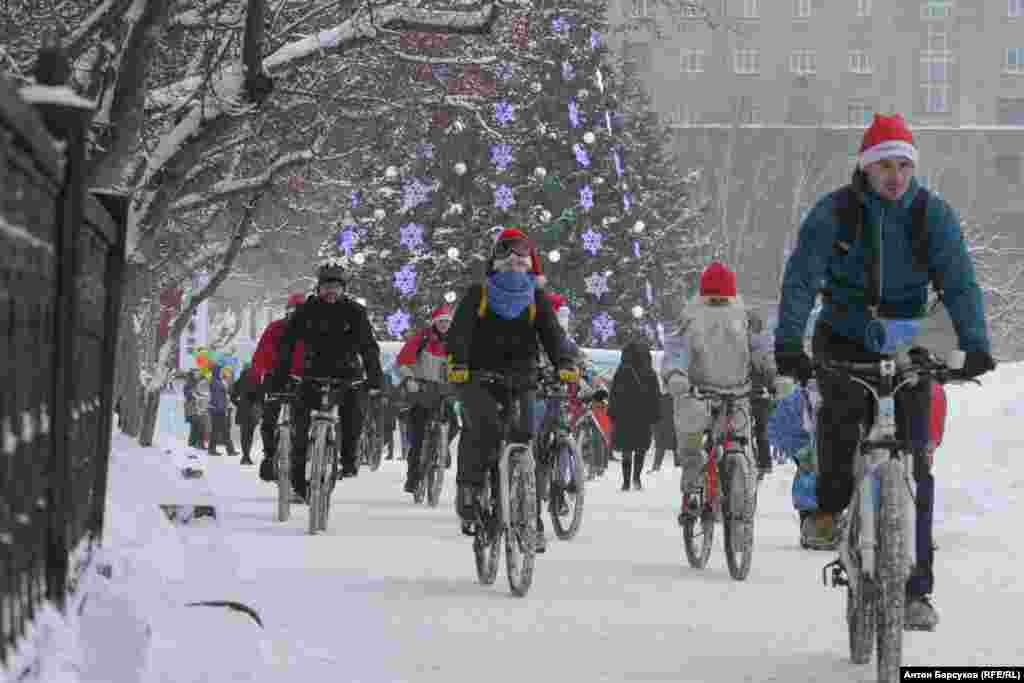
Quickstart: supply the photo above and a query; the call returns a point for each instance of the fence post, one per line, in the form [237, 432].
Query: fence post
[116, 205]
[66, 118]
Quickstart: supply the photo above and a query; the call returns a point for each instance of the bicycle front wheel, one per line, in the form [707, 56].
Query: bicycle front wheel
[891, 573]
[521, 528]
[434, 475]
[567, 485]
[317, 489]
[698, 517]
[487, 542]
[860, 604]
[375, 453]
[738, 497]
[284, 469]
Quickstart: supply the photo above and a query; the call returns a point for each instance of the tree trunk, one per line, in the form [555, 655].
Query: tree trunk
[150, 410]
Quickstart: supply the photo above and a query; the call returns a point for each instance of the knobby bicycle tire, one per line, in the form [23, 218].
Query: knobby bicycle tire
[375, 451]
[698, 545]
[284, 468]
[436, 465]
[738, 499]
[574, 499]
[421, 486]
[521, 529]
[487, 545]
[331, 475]
[860, 606]
[891, 572]
[316, 489]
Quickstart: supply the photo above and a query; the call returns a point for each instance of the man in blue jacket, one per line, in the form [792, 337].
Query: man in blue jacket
[862, 248]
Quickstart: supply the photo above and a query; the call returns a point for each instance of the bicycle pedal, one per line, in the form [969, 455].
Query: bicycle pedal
[839, 577]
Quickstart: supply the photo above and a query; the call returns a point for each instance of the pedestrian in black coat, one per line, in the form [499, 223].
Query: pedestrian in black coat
[247, 396]
[635, 407]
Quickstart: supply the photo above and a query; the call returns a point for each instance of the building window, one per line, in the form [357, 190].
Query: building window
[1009, 168]
[747, 61]
[860, 62]
[803, 62]
[936, 98]
[639, 9]
[1016, 8]
[637, 55]
[859, 114]
[802, 9]
[751, 9]
[936, 9]
[1014, 60]
[938, 41]
[935, 68]
[692, 61]
[863, 8]
[691, 12]
[1011, 112]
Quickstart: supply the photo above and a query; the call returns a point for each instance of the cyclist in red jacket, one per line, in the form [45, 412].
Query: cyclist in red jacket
[263, 363]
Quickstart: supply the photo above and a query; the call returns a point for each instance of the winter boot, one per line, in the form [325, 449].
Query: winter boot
[919, 614]
[638, 468]
[627, 469]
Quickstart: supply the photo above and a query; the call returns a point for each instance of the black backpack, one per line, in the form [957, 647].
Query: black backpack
[848, 208]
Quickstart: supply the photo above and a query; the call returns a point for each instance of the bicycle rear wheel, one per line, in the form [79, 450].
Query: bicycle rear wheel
[284, 469]
[331, 475]
[521, 528]
[860, 606]
[891, 571]
[487, 542]
[317, 456]
[436, 464]
[738, 498]
[375, 453]
[698, 517]
[567, 486]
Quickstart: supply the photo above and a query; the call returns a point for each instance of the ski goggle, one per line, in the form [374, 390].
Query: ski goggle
[518, 247]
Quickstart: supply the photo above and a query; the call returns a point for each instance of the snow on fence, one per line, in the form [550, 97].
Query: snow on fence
[61, 261]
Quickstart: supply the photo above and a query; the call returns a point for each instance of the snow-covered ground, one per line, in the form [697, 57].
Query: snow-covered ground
[390, 594]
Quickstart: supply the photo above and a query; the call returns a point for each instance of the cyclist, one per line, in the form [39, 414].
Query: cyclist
[876, 245]
[499, 326]
[335, 333]
[713, 347]
[423, 365]
[264, 360]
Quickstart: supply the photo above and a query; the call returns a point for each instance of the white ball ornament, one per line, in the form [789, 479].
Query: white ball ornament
[589, 137]
[461, 168]
[540, 172]
[638, 227]
[545, 216]
[391, 172]
[450, 297]
[453, 253]
[379, 214]
[554, 256]
[536, 86]
[361, 301]
[359, 259]
[638, 311]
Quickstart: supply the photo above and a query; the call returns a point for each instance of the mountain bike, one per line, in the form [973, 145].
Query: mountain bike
[508, 505]
[370, 448]
[282, 458]
[322, 467]
[560, 476]
[729, 483]
[877, 550]
[595, 449]
[434, 452]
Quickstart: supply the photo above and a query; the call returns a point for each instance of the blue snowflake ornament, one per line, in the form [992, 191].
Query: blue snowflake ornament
[440, 72]
[582, 158]
[501, 155]
[592, 241]
[587, 198]
[412, 235]
[596, 284]
[356, 196]
[618, 163]
[627, 200]
[574, 113]
[398, 323]
[346, 240]
[415, 193]
[424, 151]
[504, 113]
[595, 40]
[604, 327]
[405, 280]
[559, 25]
[503, 197]
[568, 73]
[636, 249]
[504, 71]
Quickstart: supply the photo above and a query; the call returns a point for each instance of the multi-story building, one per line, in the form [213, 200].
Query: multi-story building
[807, 62]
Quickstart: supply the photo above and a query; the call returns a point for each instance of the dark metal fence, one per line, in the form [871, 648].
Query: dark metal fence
[61, 263]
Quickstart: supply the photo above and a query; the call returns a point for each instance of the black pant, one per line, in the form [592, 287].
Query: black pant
[268, 428]
[350, 412]
[248, 429]
[847, 409]
[220, 433]
[482, 428]
[761, 410]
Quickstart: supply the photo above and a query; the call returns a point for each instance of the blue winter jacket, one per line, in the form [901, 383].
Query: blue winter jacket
[218, 395]
[816, 263]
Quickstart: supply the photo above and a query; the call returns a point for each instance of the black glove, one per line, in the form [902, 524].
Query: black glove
[795, 364]
[277, 382]
[977, 363]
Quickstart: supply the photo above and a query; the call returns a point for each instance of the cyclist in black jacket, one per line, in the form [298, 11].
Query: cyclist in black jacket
[336, 333]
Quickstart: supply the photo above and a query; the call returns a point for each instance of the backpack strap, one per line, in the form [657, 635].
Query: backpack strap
[481, 310]
[920, 243]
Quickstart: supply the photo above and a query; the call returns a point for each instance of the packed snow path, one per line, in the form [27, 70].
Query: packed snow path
[389, 593]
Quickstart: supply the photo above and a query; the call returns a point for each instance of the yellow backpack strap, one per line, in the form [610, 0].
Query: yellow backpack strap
[481, 310]
[532, 311]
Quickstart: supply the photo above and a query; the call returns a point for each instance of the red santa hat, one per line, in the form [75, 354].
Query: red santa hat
[509, 234]
[296, 299]
[442, 312]
[718, 280]
[889, 137]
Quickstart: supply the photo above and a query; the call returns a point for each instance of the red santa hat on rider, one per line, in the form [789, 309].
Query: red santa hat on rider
[513, 235]
[889, 137]
[442, 312]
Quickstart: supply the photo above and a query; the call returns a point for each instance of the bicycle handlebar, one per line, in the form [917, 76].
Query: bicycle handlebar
[703, 393]
[900, 369]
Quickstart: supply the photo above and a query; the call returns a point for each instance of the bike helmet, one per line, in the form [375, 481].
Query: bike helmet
[330, 271]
